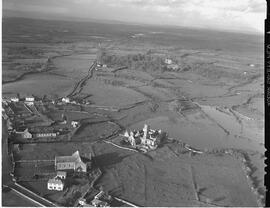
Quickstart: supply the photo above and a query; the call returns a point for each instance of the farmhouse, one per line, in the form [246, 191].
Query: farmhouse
[83, 202]
[25, 134]
[29, 99]
[168, 61]
[14, 99]
[65, 100]
[73, 162]
[55, 184]
[99, 203]
[43, 132]
[61, 174]
[74, 124]
[47, 134]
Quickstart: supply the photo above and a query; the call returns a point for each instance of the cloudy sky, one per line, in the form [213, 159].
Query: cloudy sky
[242, 15]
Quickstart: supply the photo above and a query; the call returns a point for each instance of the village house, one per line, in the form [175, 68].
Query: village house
[83, 202]
[65, 100]
[168, 61]
[55, 184]
[98, 203]
[61, 174]
[25, 134]
[43, 132]
[74, 124]
[73, 162]
[99, 195]
[173, 66]
[47, 134]
[29, 100]
[14, 99]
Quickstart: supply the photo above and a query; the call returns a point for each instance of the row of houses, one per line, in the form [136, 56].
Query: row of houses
[43, 133]
[29, 100]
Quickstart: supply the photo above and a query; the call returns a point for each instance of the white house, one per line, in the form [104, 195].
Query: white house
[65, 100]
[74, 124]
[55, 184]
[168, 61]
[46, 134]
[82, 201]
[30, 99]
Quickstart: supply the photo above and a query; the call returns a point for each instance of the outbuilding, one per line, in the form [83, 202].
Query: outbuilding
[61, 174]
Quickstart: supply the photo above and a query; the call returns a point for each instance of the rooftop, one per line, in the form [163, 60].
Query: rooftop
[55, 181]
[75, 157]
[61, 173]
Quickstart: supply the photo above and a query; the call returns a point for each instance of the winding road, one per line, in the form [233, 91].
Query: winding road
[79, 85]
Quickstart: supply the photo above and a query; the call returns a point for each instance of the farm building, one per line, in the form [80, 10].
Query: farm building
[55, 184]
[47, 134]
[14, 99]
[99, 203]
[168, 61]
[61, 174]
[73, 162]
[65, 100]
[74, 124]
[43, 132]
[25, 134]
[29, 99]
[82, 202]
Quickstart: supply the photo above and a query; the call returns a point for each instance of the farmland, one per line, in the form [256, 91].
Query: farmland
[212, 101]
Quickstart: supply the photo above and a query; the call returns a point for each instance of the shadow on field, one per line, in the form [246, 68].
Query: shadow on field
[108, 159]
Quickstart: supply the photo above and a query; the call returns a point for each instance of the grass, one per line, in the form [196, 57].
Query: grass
[11, 198]
[163, 178]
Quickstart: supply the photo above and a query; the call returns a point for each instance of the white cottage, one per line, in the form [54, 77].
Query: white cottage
[55, 184]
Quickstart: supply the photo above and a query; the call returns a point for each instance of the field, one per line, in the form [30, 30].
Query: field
[212, 101]
[164, 178]
[13, 199]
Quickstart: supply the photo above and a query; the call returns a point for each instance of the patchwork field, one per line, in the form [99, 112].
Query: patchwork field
[212, 101]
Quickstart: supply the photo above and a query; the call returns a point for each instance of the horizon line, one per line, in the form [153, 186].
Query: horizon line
[131, 23]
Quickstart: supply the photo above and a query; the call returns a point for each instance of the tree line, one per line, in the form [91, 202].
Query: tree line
[143, 62]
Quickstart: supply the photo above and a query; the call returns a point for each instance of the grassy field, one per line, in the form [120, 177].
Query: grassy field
[40, 84]
[164, 178]
[106, 95]
[220, 72]
[11, 198]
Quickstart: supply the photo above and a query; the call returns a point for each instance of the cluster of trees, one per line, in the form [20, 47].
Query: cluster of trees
[144, 62]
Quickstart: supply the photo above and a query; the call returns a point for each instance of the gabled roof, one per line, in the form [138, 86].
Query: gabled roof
[55, 181]
[75, 157]
[61, 173]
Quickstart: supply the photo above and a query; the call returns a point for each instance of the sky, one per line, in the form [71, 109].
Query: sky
[234, 15]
